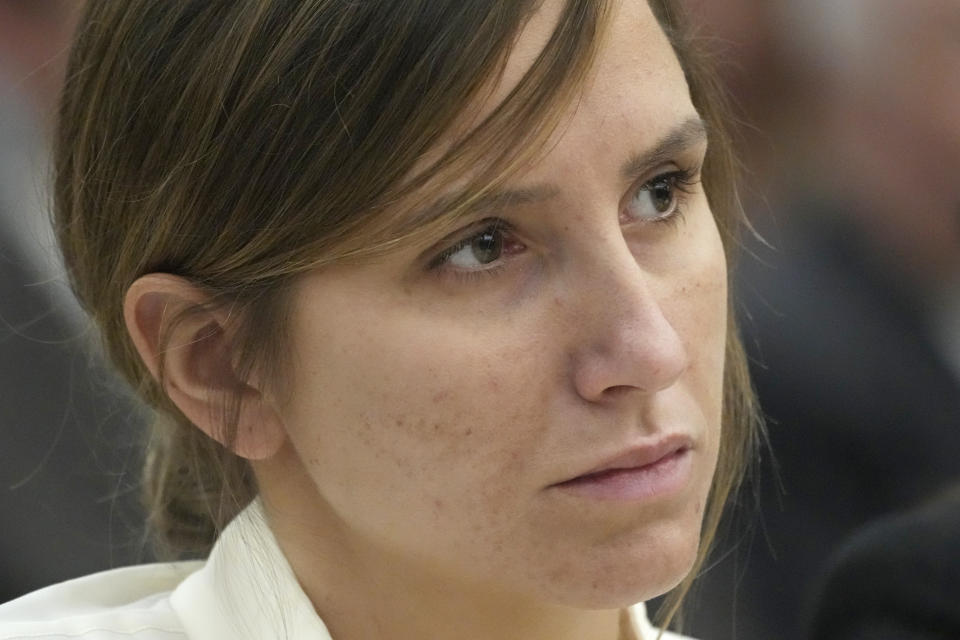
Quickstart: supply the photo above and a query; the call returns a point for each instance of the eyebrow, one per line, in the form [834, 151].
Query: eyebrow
[690, 133]
[686, 135]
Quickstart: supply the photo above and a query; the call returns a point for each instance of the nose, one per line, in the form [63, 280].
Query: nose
[625, 341]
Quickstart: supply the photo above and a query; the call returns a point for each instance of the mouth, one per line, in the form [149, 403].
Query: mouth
[643, 472]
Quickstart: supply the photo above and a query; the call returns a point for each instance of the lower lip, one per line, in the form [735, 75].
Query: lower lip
[664, 477]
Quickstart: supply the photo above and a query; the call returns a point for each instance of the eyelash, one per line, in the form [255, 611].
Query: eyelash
[683, 180]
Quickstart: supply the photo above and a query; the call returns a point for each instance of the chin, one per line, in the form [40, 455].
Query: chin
[620, 577]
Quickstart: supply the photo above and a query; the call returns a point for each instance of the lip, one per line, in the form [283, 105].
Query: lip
[642, 471]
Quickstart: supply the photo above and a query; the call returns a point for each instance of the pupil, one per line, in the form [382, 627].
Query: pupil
[662, 193]
[487, 246]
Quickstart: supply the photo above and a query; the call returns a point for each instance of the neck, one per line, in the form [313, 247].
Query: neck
[362, 591]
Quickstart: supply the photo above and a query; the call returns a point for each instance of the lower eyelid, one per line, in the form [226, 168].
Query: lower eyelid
[472, 275]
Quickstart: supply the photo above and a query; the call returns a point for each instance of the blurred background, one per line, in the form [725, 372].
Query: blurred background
[68, 432]
[849, 300]
[849, 303]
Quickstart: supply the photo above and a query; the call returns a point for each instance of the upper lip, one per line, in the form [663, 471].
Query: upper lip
[639, 455]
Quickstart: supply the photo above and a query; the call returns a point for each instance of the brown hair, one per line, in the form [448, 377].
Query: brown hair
[240, 144]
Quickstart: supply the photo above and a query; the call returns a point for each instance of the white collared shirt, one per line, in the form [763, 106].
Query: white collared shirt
[245, 590]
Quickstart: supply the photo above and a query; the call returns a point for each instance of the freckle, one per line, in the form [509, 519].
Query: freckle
[400, 422]
[468, 432]
[436, 427]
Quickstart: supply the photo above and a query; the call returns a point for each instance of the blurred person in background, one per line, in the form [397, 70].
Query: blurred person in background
[852, 311]
[918, 549]
[65, 505]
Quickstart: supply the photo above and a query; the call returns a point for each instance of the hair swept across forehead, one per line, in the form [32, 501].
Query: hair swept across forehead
[514, 131]
[284, 128]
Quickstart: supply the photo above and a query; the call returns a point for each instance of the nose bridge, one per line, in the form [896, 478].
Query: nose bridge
[625, 338]
[629, 300]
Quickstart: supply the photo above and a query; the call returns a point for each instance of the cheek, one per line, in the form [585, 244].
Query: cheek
[698, 310]
[708, 338]
[401, 422]
[697, 307]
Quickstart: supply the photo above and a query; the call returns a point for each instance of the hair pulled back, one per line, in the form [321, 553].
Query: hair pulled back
[240, 143]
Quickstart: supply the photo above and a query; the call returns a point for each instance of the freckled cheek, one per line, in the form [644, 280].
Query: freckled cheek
[698, 312]
[445, 406]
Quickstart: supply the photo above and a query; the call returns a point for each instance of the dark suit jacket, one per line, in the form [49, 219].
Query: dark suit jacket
[896, 579]
[68, 444]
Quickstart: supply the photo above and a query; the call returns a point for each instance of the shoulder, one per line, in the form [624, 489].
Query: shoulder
[132, 602]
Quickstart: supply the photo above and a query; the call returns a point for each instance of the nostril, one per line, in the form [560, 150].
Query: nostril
[618, 390]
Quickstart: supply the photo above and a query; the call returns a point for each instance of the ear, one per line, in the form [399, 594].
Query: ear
[198, 364]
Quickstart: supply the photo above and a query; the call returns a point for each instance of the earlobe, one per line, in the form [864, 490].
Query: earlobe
[168, 324]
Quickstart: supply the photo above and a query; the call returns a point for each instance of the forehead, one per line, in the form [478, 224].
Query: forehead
[632, 42]
[634, 95]
[635, 89]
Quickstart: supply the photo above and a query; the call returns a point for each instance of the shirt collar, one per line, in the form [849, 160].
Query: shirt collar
[246, 590]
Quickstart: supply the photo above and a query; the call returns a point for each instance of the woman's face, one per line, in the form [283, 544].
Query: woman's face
[449, 401]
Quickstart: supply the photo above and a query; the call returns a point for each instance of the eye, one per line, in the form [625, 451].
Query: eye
[477, 251]
[483, 251]
[660, 198]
